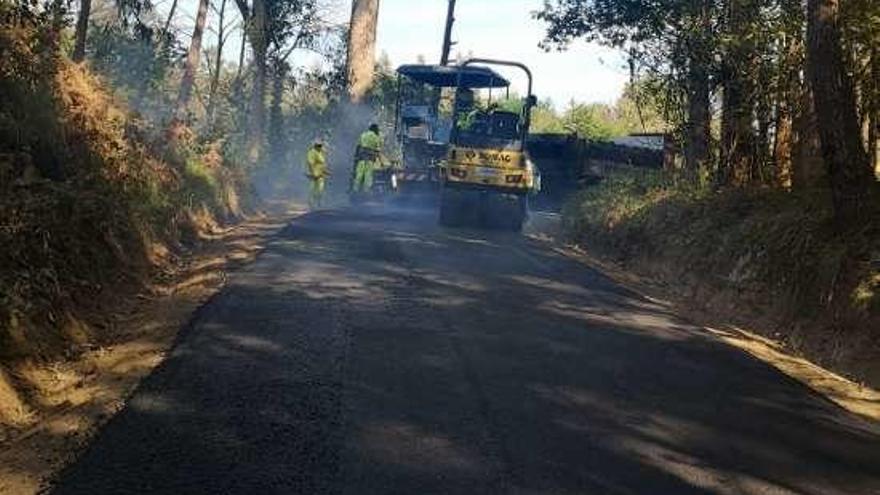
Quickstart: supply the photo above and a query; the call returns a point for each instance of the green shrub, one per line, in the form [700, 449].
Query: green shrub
[200, 184]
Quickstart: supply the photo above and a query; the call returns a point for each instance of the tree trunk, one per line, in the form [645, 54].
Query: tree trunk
[762, 161]
[168, 19]
[834, 97]
[259, 44]
[699, 113]
[790, 87]
[362, 47]
[737, 139]
[699, 118]
[218, 65]
[276, 115]
[874, 143]
[738, 153]
[192, 60]
[82, 29]
[244, 40]
[874, 129]
[782, 145]
[808, 167]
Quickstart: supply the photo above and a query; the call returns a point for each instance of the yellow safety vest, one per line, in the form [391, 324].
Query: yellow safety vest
[316, 163]
[371, 141]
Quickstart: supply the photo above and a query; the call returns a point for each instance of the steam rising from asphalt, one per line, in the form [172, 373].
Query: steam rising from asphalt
[339, 126]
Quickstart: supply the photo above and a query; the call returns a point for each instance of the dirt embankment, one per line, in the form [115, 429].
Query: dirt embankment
[56, 405]
[100, 212]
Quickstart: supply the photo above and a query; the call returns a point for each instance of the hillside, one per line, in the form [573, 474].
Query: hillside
[96, 204]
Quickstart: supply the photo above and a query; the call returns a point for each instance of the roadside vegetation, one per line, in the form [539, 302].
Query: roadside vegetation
[95, 201]
[770, 215]
[640, 109]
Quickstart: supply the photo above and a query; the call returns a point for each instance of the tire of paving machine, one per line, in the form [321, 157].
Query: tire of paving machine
[503, 211]
[450, 207]
[519, 205]
[460, 207]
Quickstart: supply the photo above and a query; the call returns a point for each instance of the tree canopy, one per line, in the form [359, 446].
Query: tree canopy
[733, 79]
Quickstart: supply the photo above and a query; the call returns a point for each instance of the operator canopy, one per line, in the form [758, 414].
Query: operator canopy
[444, 76]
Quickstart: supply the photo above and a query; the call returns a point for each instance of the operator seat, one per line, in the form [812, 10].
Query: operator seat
[504, 125]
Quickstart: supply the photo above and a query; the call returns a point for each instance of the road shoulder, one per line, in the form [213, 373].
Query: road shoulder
[82, 394]
[855, 397]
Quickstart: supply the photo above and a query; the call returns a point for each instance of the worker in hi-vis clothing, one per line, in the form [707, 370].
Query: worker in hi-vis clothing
[316, 172]
[367, 157]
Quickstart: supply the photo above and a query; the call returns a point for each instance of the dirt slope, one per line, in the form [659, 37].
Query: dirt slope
[78, 395]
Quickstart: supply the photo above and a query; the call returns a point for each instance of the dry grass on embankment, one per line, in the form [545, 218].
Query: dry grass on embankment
[768, 261]
[75, 396]
[96, 207]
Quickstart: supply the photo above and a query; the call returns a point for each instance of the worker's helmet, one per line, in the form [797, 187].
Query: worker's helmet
[318, 142]
[374, 127]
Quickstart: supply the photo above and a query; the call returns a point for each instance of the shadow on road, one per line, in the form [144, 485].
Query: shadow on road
[371, 352]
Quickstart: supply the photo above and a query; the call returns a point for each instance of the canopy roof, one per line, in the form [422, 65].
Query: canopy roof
[446, 76]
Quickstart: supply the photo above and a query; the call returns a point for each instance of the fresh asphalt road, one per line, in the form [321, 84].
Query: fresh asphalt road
[371, 352]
